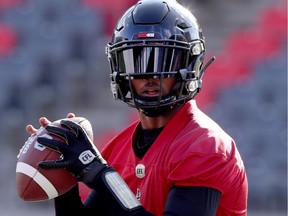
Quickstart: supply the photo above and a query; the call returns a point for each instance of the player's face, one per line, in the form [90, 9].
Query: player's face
[151, 87]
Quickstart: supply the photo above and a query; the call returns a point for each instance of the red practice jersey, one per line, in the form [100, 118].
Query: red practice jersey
[192, 150]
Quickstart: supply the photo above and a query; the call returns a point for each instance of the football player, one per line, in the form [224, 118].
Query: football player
[174, 160]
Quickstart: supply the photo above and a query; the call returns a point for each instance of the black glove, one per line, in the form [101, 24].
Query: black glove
[78, 154]
[84, 161]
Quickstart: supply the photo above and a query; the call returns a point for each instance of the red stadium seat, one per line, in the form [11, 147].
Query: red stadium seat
[6, 4]
[8, 39]
[275, 19]
[264, 40]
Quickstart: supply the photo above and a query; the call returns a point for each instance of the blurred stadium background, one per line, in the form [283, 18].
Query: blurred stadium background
[52, 62]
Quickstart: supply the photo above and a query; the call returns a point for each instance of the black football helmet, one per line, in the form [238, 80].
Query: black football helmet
[158, 39]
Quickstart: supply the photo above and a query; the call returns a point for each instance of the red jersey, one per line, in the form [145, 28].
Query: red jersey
[192, 150]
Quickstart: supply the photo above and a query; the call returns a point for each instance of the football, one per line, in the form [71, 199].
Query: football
[36, 184]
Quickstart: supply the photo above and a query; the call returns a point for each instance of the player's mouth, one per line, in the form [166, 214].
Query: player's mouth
[150, 92]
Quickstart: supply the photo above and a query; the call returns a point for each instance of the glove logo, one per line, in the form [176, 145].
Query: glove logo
[86, 157]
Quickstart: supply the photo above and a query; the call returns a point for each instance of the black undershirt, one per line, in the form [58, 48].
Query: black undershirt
[144, 140]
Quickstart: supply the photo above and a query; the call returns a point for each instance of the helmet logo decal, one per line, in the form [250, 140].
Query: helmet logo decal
[146, 35]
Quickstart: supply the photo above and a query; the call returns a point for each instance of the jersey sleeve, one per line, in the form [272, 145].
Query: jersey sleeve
[213, 163]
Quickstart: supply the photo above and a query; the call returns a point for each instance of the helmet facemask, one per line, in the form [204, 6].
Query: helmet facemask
[155, 59]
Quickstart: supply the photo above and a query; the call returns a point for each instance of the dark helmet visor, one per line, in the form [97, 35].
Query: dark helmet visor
[149, 59]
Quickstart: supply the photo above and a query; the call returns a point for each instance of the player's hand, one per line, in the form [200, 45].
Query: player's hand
[43, 121]
[79, 152]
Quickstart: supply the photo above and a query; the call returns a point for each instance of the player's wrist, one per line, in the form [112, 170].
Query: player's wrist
[91, 172]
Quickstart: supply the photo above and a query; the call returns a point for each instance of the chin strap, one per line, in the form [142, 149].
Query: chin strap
[203, 70]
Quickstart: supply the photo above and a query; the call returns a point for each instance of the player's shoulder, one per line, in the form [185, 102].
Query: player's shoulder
[202, 135]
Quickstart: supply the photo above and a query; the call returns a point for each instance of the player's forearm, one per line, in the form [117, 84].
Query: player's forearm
[115, 193]
[68, 202]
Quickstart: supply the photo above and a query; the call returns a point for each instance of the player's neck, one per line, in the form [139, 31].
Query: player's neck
[149, 123]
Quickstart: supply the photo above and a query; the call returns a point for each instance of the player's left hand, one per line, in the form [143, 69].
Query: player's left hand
[79, 152]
